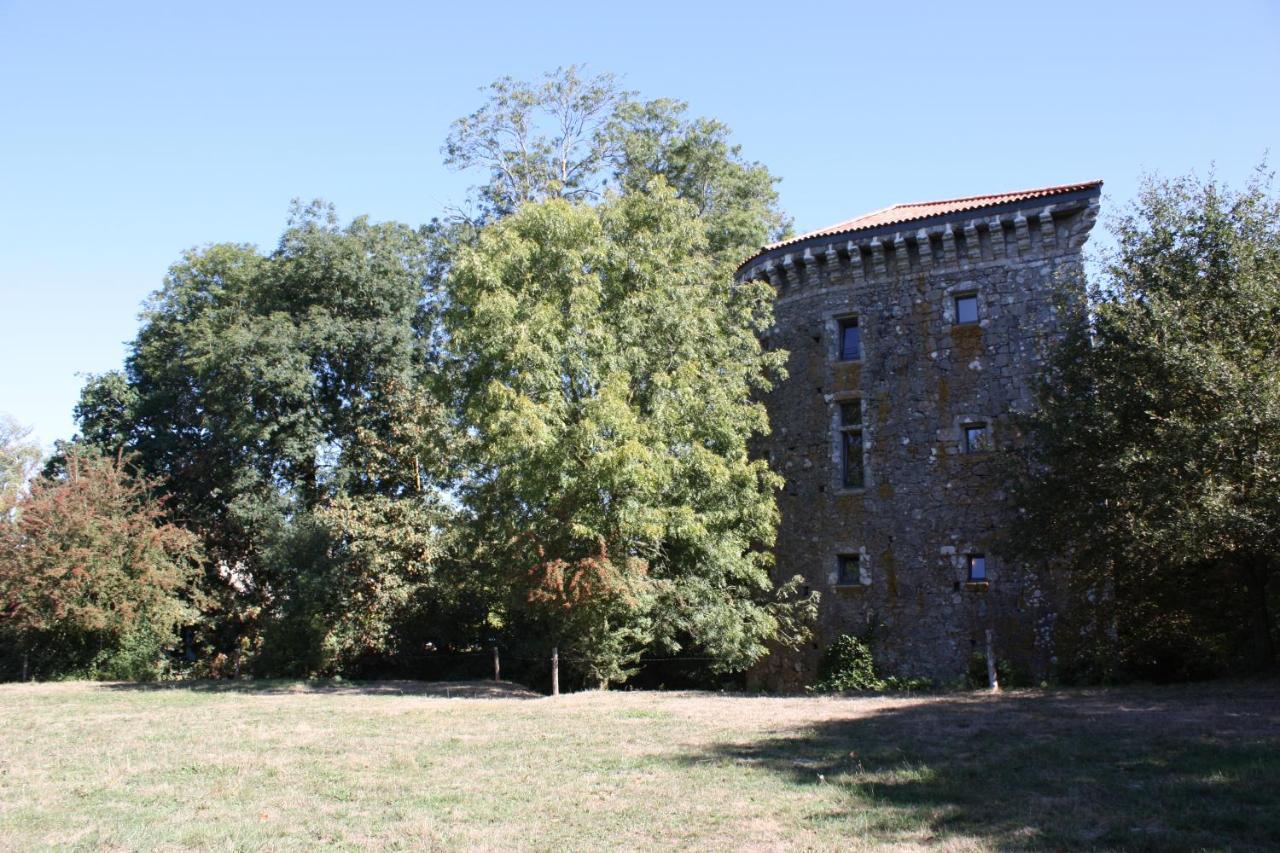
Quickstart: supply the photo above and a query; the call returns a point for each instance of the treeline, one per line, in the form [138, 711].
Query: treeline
[379, 447]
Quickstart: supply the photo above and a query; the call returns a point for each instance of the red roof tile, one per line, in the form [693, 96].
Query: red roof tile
[924, 209]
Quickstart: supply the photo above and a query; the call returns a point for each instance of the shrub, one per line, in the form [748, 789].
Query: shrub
[847, 664]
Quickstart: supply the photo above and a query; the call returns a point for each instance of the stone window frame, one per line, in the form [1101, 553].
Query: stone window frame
[858, 553]
[961, 422]
[959, 290]
[967, 447]
[839, 431]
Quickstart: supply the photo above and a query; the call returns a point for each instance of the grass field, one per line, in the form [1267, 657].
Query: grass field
[405, 765]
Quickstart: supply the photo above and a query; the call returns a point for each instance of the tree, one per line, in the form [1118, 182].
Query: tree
[606, 366]
[264, 388]
[19, 457]
[92, 580]
[577, 138]
[1154, 468]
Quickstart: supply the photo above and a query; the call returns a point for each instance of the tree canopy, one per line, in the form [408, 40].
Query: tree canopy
[532, 426]
[606, 367]
[577, 138]
[1155, 455]
[285, 399]
[93, 580]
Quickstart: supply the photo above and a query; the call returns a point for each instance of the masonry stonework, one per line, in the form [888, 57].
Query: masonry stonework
[932, 397]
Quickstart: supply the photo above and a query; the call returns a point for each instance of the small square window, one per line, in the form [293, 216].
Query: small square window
[850, 340]
[849, 570]
[977, 567]
[977, 438]
[967, 308]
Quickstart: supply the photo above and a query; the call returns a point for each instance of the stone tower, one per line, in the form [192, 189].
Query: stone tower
[913, 333]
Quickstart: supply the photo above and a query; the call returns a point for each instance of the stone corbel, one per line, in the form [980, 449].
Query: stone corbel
[831, 261]
[1048, 237]
[769, 273]
[808, 268]
[856, 272]
[787, 277]
[878, 256]
[972, 248]
[924, 249]
[1084, 223]
[995, 231]
[1024, 234]
[948, 246]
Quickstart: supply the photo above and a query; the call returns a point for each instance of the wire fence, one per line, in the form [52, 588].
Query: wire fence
[549, 660]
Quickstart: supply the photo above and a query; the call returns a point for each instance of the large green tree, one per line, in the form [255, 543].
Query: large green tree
[285, 399]
[606, 367]
[1155, 469]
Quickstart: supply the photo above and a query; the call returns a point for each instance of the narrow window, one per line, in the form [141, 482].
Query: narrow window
[977, 567]
[849, 570]
[977, 438]
[852, 473]
[850, 340]
[967, 308]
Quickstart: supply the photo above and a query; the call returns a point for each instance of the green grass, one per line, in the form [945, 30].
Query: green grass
[395, 765]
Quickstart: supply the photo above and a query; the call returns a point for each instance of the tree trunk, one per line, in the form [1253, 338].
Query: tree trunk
[1264, 649]
[992, 681]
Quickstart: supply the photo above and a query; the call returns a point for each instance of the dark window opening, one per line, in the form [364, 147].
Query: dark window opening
[977, 438]
[977, 567]
[850, 340]
[848, 570]
[852, 469]
[967, 308]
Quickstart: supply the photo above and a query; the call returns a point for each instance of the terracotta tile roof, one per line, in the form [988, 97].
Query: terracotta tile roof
[898, 213]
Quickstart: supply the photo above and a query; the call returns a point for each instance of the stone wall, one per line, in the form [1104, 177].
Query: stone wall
[926, 503]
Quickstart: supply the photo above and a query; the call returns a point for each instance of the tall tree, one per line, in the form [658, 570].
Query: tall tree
[1156, 450]
[576, 138]
[606, 366]
[19, 456]
[93, 581]
[264, 387]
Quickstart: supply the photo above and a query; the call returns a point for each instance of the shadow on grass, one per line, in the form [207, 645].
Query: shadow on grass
[1157, 768]
[441, 689]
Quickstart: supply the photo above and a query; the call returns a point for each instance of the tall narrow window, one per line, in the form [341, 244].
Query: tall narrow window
[977, 438]
[977, 567]
[852, 474]
[966, 308]
[850, 340]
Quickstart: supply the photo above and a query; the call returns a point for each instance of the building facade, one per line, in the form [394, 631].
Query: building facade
[914, 333]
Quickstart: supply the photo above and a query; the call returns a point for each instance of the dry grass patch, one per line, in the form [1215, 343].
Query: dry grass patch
[396, 764]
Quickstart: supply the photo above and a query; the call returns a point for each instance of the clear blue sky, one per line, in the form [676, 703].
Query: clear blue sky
[130, 131]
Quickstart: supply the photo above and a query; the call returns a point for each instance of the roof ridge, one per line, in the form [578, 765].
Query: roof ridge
[883, 216]
[1055, 188]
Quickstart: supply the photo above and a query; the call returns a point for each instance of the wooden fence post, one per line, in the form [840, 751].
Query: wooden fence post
[497, 667]
[991, 664]
[555, 670]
